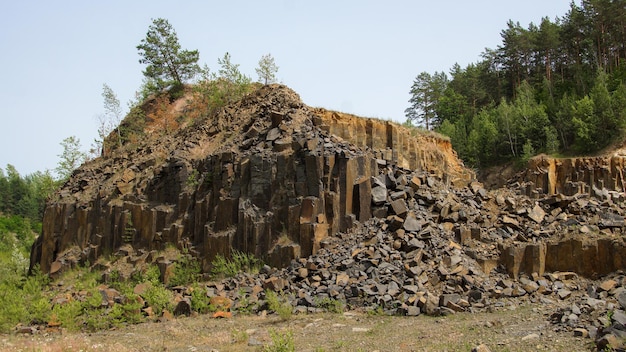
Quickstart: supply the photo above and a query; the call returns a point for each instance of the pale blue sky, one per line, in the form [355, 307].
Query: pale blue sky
[353, 56]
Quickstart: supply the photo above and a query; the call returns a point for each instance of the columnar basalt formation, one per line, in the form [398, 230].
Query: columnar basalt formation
[601, 176]
[429, 152]
[267, 175]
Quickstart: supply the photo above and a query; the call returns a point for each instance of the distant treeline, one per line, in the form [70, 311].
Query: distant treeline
[557, 88]
[26, 196]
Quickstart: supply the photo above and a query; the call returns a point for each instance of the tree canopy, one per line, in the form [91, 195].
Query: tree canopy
[555, 87]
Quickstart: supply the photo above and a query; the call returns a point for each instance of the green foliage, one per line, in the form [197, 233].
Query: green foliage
[552, 140]
[159, 298]
[192, 179]
[186, 270]
[151, 274]
[71, 157]
[215, 90]
[23, 297]
[278, 304]
[331, 305]
[128, 312]
[131, 129]
[68, 314]
[425, 94]
[239, 262]
[527, 151]
[166, 63]
[559, 85]
[22, 199]
[107, 123]
[244, 306]
[281, 342]
[200, 302]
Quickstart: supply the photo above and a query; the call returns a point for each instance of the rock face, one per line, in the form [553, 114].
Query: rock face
[602, 177]
[267, 175]
[393, 142]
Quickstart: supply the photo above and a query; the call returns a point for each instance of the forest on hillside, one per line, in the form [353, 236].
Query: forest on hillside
[557, 87]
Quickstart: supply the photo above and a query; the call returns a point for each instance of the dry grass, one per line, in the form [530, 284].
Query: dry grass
[507, 330]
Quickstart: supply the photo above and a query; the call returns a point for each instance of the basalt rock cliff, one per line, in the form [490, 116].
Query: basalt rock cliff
[266, 175]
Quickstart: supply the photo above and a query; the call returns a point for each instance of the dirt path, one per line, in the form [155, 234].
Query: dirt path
[512, 329]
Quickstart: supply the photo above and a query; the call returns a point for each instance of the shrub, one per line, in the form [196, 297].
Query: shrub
[278, 304]
[331, 305]
[129, 312]
[68, 315]
[186, 271]
[281, 342]
[239, 262]
[200, 302]
[159, 298]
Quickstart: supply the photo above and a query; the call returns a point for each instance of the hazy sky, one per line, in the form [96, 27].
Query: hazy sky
[354, 56]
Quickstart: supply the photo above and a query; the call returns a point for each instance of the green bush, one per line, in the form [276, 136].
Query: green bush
[238, 262]
[281, 342]
[200, 302]
[23, 298]
[159, 298]
[69, 315]
[331, 305]
[186, 270]
[278, 304]
[129, 312]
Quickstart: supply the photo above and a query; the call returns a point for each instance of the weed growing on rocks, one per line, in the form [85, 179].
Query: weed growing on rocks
[281, 342]
[239, 262]
[186, 270]
[278, 304]
[331, 305]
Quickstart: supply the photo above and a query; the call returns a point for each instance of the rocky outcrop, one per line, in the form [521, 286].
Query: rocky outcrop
[390, 141]
[267, 176]
[602, 177]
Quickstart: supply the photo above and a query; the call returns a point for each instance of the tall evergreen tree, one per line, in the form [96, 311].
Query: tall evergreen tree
[425, 93]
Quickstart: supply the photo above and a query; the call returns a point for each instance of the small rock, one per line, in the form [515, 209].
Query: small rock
[481, 348]
[564, 294]
[530, 337]
[607, 285]
[581, 332]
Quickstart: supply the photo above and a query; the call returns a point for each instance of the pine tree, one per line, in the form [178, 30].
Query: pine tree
[167, 63]
[267, 69]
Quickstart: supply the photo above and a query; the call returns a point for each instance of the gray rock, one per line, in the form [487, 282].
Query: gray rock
[379, 195]
[411, 224]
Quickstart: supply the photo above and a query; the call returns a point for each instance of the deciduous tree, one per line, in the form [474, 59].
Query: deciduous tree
[71, 157]
[108, 121]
